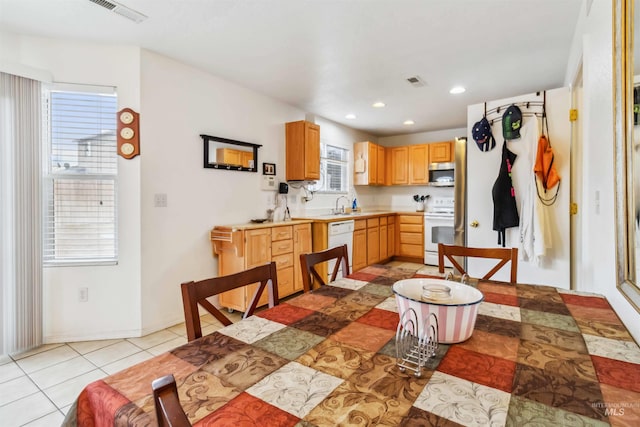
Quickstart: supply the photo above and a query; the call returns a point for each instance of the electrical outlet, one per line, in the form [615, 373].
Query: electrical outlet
[83, 294]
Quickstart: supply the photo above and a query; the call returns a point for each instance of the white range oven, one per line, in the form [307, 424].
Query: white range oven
[438, 228]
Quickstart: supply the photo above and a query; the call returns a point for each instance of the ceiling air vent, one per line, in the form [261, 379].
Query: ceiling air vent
[121, 10]
[416, 81]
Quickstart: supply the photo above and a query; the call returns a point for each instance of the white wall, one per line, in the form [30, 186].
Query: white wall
[113, 308]
[161, 247]
[178, 103]
[482, 169]
[593, 44]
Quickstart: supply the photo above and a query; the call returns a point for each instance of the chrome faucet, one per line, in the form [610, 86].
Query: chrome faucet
[337, 201]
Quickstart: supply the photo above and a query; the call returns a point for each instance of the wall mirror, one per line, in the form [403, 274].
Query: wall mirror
[229, 154]
[627, 139]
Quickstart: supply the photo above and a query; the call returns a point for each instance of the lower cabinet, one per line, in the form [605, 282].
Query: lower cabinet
[391, 236]
[384, 238]
[302, 243]
[373, 241]
[244, 249]
[411, 236]
[359, 251]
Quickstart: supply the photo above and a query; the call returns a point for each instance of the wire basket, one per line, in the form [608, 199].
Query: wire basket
[412, 349]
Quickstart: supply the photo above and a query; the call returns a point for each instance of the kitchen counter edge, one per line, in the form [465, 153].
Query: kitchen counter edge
[361, 215]
[254, 226]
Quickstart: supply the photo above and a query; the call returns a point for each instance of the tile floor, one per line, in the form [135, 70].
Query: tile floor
[38, 387]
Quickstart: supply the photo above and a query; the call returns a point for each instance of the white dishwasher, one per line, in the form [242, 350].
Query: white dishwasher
[340, 233]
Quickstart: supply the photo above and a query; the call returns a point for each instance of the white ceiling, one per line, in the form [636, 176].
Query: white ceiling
[334, 57]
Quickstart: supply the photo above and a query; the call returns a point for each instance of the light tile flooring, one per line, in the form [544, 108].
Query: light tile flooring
[38, 387]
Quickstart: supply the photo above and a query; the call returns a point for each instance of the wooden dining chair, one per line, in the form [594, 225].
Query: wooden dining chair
[504, 255]
[308, 263]
[169, 412]
[196, 293]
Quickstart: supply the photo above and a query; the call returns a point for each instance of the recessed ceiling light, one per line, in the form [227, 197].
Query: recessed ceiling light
[409, 122]
[456, 90]
[350, 116]
[378, 104]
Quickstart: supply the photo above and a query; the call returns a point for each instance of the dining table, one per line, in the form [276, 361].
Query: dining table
[538, 356]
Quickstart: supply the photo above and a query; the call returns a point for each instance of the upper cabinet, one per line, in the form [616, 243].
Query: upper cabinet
[369, 164]
[302, 151]
[405, 165]
[419, 164]
[399, 161]
[441, 152]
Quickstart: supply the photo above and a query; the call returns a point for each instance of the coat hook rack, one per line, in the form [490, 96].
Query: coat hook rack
[531, 108]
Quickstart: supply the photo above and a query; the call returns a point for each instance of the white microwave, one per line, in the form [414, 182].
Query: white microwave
[441, 174]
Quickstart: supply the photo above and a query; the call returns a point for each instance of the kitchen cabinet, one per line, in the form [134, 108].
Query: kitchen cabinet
[302, 243]
[411, 237]
[241, 249]
[230, 156]
[399, 165]
[384, 238]
[380, 166]
[391, 236]
[302, 151]
[409, 165]
[441, 152]
[373, 241]
[419, 164]
[369, 162]
[359, 256]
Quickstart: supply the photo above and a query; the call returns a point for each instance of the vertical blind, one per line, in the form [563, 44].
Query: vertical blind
[20, 221]
[81, 178]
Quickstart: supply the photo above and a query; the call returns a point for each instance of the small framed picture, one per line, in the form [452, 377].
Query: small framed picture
[268, 169]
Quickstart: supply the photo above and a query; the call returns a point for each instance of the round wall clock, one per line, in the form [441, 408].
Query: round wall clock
[128, 133]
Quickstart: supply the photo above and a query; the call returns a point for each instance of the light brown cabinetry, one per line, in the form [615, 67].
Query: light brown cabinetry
[359, 251]
[373, 241]
[409, 165]
[399, 165]
[391, 236]
[240, 250]
[384, 238]
[381, 166]
[302, 151]
[411, 236]
[441, 152]
[230, 156]
[419, 164]
[302, 243]
[369, 161]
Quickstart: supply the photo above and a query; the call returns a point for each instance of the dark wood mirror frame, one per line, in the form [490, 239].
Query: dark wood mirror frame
[209, 141]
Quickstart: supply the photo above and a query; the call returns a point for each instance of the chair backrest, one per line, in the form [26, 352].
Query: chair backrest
[309, 262]
[504, 255]
[169, 412]
[194, 293]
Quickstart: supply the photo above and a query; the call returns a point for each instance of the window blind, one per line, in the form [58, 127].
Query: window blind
[81, 179]
[334, 162]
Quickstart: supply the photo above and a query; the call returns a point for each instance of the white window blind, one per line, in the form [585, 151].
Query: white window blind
[334, 162]
[81, 176]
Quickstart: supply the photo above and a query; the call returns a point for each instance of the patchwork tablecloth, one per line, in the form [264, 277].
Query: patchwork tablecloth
[538, 356]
